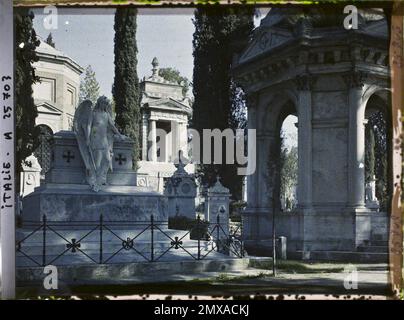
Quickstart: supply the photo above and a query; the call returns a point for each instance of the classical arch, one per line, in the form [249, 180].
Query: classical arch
[271, 114]
[378, 141]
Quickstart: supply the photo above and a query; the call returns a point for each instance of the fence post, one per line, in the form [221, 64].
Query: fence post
[44, 240]
[198, 221]
[152, 237]
[101, 223]
[217, 231]
[241, 238]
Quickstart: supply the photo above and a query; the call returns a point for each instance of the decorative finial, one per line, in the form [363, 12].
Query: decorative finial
[155, 64]
[180, 163]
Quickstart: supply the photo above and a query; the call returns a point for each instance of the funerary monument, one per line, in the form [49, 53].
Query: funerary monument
[332, 78]
[91, 174]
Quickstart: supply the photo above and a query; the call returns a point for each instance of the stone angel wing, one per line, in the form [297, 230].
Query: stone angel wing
[82, 124]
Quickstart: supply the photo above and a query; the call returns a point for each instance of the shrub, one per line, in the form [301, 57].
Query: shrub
[197, 229]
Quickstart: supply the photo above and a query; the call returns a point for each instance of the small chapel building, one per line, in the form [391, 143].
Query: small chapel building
[165, 112]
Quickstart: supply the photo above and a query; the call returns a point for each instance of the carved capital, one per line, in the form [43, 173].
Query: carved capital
[355, 79]
[304, 82]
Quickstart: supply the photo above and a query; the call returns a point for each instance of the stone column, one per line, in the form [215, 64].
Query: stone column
[249, 215]
[153, 138]
[266, 145]
[175, 126]
[183, 138]
[304, 192]
[356, 156]
[252, 194]
[144, 137]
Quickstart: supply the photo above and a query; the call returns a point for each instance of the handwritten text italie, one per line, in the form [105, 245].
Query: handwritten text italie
[7, 165]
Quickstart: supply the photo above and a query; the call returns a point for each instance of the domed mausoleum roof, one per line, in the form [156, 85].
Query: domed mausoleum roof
[48, 53]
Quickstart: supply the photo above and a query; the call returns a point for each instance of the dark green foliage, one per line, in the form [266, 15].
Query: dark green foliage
[369, 153]
[49, 40]
[289, 171]
[25, 109]
[197, 229]
[377, 151]
[126, 92]
[236, 207]
[220, 32]
[174, 75]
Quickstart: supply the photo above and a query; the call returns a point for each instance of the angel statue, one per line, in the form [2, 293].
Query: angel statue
[95, 133]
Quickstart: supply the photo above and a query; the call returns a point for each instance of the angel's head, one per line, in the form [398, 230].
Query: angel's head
[103, 104]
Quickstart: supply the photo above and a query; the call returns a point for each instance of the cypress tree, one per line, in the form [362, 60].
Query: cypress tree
[26, 42]
[126, 92]
[220, 32]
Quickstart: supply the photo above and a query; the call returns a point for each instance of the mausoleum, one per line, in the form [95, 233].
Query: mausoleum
[165, 112]
[307, 64]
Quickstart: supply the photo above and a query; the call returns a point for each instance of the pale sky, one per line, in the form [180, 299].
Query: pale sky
[87, 36]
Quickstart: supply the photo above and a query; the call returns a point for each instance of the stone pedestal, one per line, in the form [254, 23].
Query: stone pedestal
[67, 166]
[217, 205]
[66, 196]
[78, 203]
[180, 189]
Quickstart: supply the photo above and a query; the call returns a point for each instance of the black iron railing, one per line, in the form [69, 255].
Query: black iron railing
[149, 241]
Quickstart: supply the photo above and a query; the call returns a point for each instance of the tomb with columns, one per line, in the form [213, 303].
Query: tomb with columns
[165, 112]
[332, 79]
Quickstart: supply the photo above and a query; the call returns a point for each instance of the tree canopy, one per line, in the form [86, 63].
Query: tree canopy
[89, 86]
[26, 42]
[220, 32]
[174, 75]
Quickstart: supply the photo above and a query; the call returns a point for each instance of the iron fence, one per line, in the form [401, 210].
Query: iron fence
[149, 241]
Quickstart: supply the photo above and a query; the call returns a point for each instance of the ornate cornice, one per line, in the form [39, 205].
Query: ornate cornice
[304, 82]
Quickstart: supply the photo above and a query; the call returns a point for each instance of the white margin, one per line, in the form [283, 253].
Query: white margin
[7, 158]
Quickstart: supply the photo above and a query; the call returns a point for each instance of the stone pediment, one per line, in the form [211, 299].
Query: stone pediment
[46, 107]
[265, 40]
[376, 28]
[169, 104]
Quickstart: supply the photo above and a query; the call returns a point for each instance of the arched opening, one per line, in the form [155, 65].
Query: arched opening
[283, 161]
[288, 164]
[377, 154]
[43, 151]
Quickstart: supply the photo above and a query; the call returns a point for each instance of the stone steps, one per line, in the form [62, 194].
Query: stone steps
[131, 272]
[111, 247]
[375, 249]
[348, 256]
[382, 243]
[78, 258]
